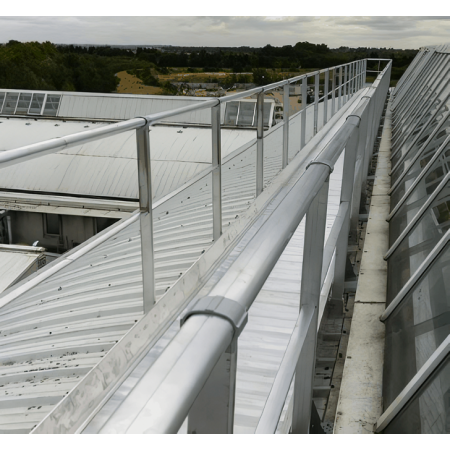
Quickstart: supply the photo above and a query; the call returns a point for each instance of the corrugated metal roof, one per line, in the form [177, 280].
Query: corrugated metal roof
[108, 167]
[54, 333]
[115, 106]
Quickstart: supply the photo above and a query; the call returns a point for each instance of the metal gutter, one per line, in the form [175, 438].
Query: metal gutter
[360, 398]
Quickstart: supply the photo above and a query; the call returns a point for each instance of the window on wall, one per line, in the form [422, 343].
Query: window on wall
[52, 224]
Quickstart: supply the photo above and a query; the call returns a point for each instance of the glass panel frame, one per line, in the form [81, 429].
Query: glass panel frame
[10, 103]
[37, 104]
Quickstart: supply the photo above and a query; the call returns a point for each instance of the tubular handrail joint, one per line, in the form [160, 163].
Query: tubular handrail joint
[327, 163]
[222, 307]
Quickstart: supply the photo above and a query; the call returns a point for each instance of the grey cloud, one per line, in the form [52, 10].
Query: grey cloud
[397, 32]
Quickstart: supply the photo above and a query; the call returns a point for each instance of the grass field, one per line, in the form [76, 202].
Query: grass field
[129, 84]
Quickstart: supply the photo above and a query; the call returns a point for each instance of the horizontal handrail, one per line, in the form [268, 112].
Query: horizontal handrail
[197, 347]
[28, 152]
[241, 283]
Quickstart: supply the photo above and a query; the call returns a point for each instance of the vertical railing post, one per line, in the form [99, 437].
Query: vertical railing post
[325, 97]
[285, 157]
[364, 76]
[309, 298]
[216, 172]
[340, 88]
[345, 85]
[213, 410]
[333, 93]
[304, 94]
[360, 70]
[146, 216]
[359, 167]
[316, 101]
[260, 143]
[348, 177]
[350, 81]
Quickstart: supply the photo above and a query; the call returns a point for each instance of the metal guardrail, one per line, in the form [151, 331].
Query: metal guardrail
[203, 354]
[141, 124]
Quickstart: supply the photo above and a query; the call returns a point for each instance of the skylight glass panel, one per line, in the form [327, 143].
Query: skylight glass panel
[36, 104]
[23, 103]
[246, 114]
[231, 112]
[10, 103]
[267, 109]
[2, 99]
[418, 242]
[51, 105]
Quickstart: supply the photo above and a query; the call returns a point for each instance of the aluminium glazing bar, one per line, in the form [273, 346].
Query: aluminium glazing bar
[419, 135]
[419, 178]
[410, 68]
[413, 107]
[412, 82]
[421, 81]
[416, 97]
[409, 81]
[407, 125]
[418, 154]
[424, 128]
[412, 86]
[416, 275]
[413, 386]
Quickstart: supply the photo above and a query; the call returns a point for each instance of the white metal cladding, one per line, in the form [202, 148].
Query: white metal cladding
[108, 106]
[91, 303]
[108, 167]
[118, 107]
[14, 264]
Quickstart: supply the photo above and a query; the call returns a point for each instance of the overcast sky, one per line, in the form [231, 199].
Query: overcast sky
[352, 31]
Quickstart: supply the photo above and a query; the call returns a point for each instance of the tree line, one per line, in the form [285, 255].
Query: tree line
[46, 66]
